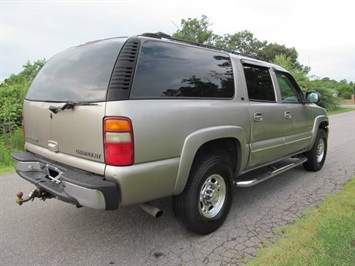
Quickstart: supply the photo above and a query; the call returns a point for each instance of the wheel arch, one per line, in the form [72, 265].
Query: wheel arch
[324, 125]
[320, 122]
[229, 139]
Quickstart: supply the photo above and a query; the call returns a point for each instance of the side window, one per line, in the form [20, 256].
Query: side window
[259, 83]
[290, 93]
[173, 70]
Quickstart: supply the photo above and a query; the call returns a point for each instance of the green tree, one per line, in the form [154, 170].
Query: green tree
[195, 30]
[297, 72]
[271, 50]
[12, 93]
[242, 42]
[346, 95]
[328, 101]
[324, 87]
[345, 90]
[198, 30]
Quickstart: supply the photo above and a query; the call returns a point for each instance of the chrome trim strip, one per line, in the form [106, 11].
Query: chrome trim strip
[267, 148]
[298, 140]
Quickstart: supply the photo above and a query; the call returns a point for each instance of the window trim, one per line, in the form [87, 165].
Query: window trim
[143, 40]
[260, 66]
[294, 83]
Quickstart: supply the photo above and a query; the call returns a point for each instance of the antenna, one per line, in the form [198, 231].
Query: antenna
[175, 24]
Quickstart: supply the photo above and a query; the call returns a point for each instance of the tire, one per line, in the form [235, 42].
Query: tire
[206, 200]
[316, 156]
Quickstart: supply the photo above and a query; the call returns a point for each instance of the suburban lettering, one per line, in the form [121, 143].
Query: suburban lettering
[89, 154]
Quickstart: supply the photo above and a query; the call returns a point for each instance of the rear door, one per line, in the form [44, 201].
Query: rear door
[266, 116]
[65, 105]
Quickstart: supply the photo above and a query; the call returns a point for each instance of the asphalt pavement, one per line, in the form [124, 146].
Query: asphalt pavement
[55, 233]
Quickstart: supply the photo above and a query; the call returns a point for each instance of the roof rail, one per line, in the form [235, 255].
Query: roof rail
[162, 35]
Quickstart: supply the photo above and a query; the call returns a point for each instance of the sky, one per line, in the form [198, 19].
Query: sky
[322, 31]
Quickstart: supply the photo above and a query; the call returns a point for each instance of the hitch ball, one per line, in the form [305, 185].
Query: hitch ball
[19, 197]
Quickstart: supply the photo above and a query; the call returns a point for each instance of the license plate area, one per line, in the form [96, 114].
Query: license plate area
[53, 173]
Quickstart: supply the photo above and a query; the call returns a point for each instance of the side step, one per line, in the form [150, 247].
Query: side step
[268, 175]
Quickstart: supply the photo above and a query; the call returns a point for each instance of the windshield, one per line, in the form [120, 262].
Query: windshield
[80, 73]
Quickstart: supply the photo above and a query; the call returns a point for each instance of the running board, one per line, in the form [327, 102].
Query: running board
[268, 175]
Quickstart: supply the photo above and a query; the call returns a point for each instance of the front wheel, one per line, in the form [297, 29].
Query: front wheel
[206, 200]
[316, 156]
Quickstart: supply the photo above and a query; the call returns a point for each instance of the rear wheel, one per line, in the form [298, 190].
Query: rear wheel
[205, 202]
[316, 156]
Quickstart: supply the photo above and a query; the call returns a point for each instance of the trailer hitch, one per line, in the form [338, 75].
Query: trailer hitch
[36, 193]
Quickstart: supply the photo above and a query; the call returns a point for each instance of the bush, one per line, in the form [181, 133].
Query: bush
[328, 101]
[346, 95]
[11, 105]
[12, 94]
[9, 143]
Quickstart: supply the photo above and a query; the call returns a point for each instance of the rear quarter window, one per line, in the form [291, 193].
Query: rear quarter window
[169, 70]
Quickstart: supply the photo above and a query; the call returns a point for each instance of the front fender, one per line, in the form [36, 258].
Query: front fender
[195, 140]
[317, 122]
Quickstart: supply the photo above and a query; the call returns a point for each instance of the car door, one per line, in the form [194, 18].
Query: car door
[266, 116]
[298, 120]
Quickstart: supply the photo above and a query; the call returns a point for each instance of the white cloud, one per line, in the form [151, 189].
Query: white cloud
[320, 30]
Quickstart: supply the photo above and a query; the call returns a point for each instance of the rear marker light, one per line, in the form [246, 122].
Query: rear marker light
[118, 141]
[117, 125]
[23, 127]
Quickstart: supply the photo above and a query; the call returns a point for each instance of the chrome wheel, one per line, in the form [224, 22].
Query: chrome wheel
[212, 196]
[320, 150]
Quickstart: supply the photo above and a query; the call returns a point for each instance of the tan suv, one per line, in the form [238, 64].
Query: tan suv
[129, 120]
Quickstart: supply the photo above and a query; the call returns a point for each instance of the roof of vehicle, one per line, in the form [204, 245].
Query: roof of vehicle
[161, 35]
[252, 59]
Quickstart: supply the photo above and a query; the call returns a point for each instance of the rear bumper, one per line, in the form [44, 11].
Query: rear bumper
[68, 184]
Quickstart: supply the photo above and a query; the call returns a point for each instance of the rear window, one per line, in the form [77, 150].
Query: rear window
[80, 73]
[174, 70]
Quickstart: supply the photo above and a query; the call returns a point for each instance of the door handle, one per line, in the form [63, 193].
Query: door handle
[258, 117]
[288, 115]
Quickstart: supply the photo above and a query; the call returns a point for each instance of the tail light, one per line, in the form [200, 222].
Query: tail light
[118, 141]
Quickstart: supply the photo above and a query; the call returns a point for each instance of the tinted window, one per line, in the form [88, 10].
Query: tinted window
[173, 70]
[259, 83]
[289, 90]
[80, 73]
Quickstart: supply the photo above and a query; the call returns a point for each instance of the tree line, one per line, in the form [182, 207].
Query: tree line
[198, 30]
[14, 88]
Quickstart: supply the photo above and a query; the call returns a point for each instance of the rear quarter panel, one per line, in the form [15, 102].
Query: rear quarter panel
[161, 126]
[167, 129]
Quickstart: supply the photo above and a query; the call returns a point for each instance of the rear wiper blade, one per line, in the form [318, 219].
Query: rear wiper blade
[68, 105]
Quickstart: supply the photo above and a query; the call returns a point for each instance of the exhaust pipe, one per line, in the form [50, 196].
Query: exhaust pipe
[153, 211]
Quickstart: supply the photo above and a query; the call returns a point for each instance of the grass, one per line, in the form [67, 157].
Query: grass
[341, 110]
[325, 236]
[6, 169]
[9, 143]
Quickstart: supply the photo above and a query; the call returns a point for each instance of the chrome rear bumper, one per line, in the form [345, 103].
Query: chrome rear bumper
[68, 184]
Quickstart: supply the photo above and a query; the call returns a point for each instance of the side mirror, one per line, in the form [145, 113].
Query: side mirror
[313, 97]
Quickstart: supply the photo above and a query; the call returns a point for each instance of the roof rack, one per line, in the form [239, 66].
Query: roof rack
[162, 35]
